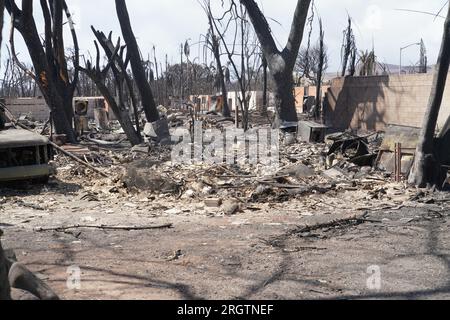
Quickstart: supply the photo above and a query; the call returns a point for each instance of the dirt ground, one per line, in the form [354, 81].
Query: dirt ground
[263, 252]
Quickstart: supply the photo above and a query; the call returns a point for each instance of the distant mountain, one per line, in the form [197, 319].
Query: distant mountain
[395, 69]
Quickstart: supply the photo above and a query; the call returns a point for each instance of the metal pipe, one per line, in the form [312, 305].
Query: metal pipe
[401, 51]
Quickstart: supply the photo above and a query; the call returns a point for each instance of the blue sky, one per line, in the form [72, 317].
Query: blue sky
[168, 23]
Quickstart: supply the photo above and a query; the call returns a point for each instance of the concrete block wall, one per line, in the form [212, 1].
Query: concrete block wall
[372, 103]
[36, 107]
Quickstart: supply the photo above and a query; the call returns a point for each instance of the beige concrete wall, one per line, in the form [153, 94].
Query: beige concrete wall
[371, 103]
[36, 107]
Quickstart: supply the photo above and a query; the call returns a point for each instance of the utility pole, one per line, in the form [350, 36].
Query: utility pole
[181, 77]
[401, 52]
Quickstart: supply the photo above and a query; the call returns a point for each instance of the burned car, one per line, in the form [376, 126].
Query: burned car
[24, 156]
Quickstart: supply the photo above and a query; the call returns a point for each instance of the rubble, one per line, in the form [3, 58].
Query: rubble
[322, 169]
[348, 146]
[202, 167]
[408, 138]
[230, 207]
[332, 181]
[143, 175]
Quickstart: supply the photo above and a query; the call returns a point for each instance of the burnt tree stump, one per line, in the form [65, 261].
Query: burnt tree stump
[5, 290]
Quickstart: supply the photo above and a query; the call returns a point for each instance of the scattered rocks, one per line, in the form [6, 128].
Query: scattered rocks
[230, 207]
[335, 174]
[175, 256]
[142, 176]
[298, 170]
[189, 194]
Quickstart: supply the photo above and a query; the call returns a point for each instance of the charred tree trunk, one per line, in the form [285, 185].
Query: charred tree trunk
[264, 106]
[119, 71]
[347, 46]
[5, 289]
[148, 101]
[427, 170]
[181, 93]
[2, 12]
[49, 59]
[4, 283]
[284, 96]
[281, 63]
[121, 114]
[318, 109]
[216, 51]
[98, 76]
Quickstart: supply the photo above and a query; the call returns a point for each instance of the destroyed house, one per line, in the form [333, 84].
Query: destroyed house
[24, 156]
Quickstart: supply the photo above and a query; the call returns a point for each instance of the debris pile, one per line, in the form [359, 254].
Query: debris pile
[326, 173]
[343, 173]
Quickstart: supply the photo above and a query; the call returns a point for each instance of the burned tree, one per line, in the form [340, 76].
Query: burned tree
[2, 11]
[205, 78]
[213, 44]
[4, 283]
[51, 71]
[13, 274]
[145, 91]
[353, 58]
[423, 63]
[5, 291]
[367, 64]
[322, 66]
[117, 66]
[245, 66]
[187, 54]
[312, 64]
[158, 89]
[120, 76]
[265, 86]
[16, 82]
[281, 63]
[427, 170]
[349, 51]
